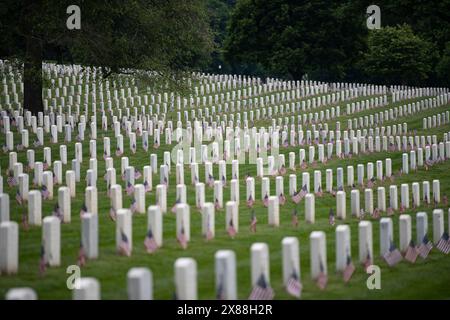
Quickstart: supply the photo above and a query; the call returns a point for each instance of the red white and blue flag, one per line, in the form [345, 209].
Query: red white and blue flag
[124, 244]
[393, 256]
[150, 242]
[443, 244]
[231, 229]
[253, 222]
[262, 290]
[425, 247]
[294, 286]
[412, 252]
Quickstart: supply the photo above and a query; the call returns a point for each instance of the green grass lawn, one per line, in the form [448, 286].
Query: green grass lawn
[427, 279]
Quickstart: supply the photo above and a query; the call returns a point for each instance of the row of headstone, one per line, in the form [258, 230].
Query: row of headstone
[140, 280]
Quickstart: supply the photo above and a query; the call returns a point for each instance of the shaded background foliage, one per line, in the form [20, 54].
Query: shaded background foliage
[324, 40]
[329, 41]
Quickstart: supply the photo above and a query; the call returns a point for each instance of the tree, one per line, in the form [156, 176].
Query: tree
[219, 12]
[443, 67]
[322, 38]
[397, 56]
[168, 37]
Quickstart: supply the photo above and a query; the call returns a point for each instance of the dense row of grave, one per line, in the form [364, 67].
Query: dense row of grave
[208, 157]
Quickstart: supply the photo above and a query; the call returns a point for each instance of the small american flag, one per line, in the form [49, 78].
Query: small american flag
[216, 204]
[83, 210]
[45, 193]
[391, 147]
[266, 200]
[105, 155]
[412, 252]
[224, 181]
[182, 237]
[124, 245]
[282, 170]
[303, 192]
[149, 242]
[250, 201]
[425, 247]
[368, 260]
[210, 180]
[133, 206]
[296, 197]
[445, 200]
[293, 286]
[129, 188]
[295, 218]
[165, 181]
[319, 192]
[331, 219]
[108, 189]
[156, 144]
[174, 208]
[390, 211]
[57, 212]
[376, 213]
[5, 148]
[262, 290]
[393, 256]
[322, 278]
[20, 147]
[304, 165]
[118, 152]
[45, 165]
[349, 269]
[81, 256]
[282, 199]
[146, 186]
[426, 199]
[145, 147]
[25, 221]
[231, 229]
[11, 181]
[133, 148]
[19, 198]
[36, 143]
[112, 214]
[42, 262]
[370, 183]
[137, 174]
[443, 244]
[55, 180]
[253, 222]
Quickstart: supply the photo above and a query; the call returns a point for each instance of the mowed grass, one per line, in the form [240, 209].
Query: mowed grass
[427, 279]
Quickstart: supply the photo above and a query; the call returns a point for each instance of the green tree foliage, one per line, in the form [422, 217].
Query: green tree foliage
[429, 19]
[322, 38]
[443, 67]
[397, 56]
[168, 37]
[219, 14]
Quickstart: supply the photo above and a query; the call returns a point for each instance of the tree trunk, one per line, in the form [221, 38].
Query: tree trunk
[32, 87]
